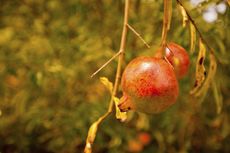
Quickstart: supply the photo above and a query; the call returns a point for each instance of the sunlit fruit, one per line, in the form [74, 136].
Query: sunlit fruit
[149, 85]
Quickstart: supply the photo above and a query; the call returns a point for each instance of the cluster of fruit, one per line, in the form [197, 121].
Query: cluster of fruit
[150, 84]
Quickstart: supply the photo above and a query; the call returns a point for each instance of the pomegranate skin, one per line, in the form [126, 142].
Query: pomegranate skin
[179, 58]
[149, 85]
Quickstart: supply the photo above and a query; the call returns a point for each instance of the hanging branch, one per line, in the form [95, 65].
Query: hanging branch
[93, 128]
[196, 27]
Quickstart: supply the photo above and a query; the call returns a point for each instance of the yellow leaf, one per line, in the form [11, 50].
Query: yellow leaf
[92, 132]
[192, 37]
[184, 15]
[200, 69]
[218, 97]
[122, 116]
[211, 73]
[107, 83]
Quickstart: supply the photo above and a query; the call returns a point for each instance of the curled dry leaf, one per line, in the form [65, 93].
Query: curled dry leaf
[211, 73]
[200, 68]
[122, 116]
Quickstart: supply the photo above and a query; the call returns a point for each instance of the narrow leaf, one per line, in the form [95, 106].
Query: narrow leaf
[192, 37]
[107, 83]
[169, 13]
[122, 116]
[218, 97]
[184, 15]
[200, 69]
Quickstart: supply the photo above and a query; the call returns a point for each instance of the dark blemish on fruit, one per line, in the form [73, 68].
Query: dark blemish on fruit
[205, 73]
[201, 60]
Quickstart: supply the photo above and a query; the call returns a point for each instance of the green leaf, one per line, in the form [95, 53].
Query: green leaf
[122, 116]
[107, 83]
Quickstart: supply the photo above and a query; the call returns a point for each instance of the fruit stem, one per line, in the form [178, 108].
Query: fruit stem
[166, 24]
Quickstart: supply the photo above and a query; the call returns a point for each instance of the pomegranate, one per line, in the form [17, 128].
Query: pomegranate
[149, 85]
[179, 58]
[144, 138]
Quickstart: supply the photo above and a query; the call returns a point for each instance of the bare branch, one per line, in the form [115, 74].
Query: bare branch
[106, 63]
[138, 35]
[93, 129]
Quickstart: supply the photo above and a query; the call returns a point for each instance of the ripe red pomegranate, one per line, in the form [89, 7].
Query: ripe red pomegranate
[149, 85]
[179, 58]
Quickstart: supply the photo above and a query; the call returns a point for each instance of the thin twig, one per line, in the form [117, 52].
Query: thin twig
[105, 64]
[196, 27]
[138, 35]
[89, 142]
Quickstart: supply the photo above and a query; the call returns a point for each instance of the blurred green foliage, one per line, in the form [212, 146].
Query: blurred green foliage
[49, 49]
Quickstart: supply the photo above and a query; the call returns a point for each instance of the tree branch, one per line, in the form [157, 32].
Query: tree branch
[106, 63]
[196, 27]
[93, 129]
[138, 35]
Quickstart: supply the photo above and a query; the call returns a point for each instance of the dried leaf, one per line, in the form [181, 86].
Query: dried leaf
[200, 69]
[107, 83]
[192, 37]
[184, 15]
[91, 137]
[218, 97]
[122, 116]
[211, 73]
[92, 132]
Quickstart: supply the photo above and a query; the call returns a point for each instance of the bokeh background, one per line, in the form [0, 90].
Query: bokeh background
[49, 49]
